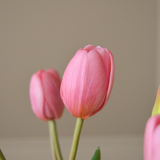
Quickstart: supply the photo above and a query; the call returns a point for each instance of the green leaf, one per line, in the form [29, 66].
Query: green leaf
[2, 156]
[97, 154]
[156, 108]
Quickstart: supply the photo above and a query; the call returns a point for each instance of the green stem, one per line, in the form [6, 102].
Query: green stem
[56, 153]
[75, 141]
[2, 156]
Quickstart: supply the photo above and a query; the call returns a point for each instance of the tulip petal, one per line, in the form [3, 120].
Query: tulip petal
[37, 96]
[89, 47]
[156, 143]
[109, 64]
[53, 105]
[54, 74]
[149, 140]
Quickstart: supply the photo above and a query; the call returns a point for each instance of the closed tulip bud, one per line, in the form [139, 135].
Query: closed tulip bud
[151, 146]
[87, 81]
[45, 95]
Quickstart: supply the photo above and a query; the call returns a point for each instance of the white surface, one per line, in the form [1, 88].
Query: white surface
[112, 148]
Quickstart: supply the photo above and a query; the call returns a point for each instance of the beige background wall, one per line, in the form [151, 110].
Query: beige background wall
[36, 34]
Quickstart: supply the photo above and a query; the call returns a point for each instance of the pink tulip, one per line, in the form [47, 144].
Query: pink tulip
[152, 139]
[87, 81]
[45, 95]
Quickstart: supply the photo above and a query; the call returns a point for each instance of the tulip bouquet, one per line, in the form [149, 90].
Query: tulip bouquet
[85, 89]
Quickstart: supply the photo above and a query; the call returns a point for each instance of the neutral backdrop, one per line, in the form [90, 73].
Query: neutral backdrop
[37, 34]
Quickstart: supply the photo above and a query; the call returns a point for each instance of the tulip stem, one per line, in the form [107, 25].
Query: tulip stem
[75, 141]
[55, 149]
[2, 156]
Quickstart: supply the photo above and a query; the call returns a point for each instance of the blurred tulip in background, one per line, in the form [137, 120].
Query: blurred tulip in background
[44, 93]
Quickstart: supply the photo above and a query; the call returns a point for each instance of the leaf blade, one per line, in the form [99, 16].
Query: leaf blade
[97, 154]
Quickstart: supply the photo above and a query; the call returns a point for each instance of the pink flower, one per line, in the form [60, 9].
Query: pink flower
[151, 146]
[45, 95]
[87, 81]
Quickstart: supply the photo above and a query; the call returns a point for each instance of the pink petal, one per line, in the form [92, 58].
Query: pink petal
[156, 143]
[37, 96]
[89, 47]
[53, 104]
[54, 74]
[109, 65]
[149, 139]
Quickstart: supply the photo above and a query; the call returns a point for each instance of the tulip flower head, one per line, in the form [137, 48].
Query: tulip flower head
[156, 108]
[151, 148]
[87, 81]
[45, 95]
